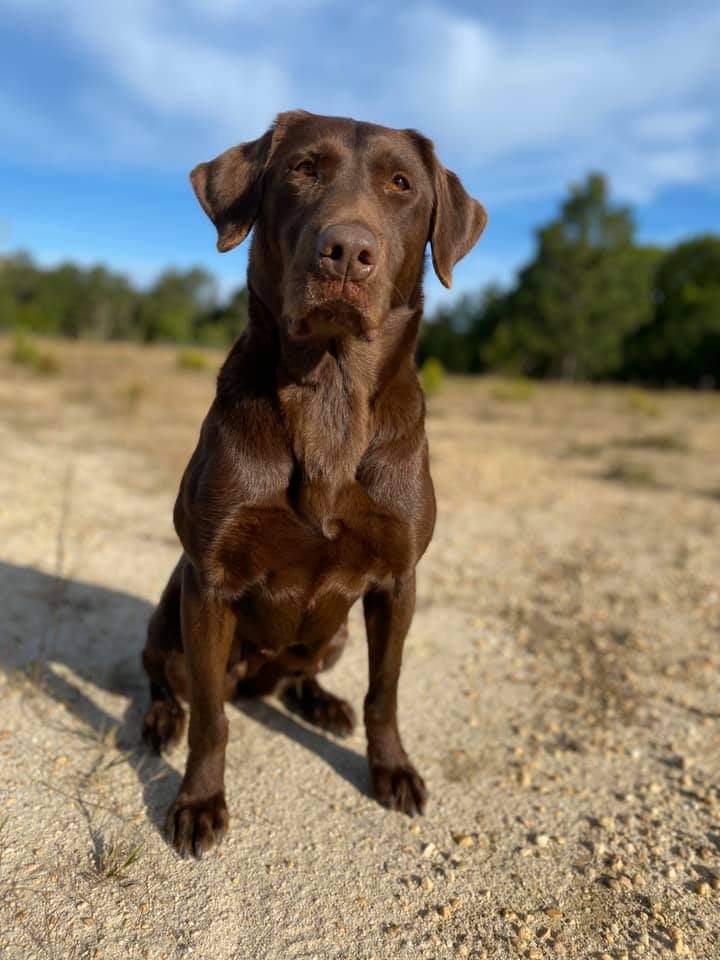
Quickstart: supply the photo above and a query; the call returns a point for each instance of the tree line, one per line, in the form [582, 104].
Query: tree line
[181, 306]
[591, 304]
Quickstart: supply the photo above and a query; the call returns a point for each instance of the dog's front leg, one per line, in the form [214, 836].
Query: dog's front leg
[395, 781]
[199, 816]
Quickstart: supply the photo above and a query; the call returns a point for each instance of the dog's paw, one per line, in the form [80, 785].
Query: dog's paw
[334, 715]
[194, 826]
[321, 708]
[163, 725]
[399, 788]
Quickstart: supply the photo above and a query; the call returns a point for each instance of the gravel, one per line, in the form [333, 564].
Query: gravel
[560, 694]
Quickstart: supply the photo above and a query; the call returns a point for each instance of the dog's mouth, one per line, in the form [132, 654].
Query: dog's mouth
[333, 309]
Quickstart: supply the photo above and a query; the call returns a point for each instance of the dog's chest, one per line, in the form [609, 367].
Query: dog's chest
[310, 564]
[313, 542]
[304, 556]
[350, 547]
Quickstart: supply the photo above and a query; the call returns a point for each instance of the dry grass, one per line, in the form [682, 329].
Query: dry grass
[668, 442]
[114, 861]
[513, 391]
[121, 396]
[152, 399]
[627, 471]
[642, 402]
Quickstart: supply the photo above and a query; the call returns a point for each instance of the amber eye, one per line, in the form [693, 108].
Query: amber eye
[399, 183]
[307, 167]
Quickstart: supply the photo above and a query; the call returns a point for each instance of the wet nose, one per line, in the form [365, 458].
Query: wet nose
[347, 250]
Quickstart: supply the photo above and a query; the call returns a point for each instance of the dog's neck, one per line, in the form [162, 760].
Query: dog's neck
[306, 361]
[326, 390]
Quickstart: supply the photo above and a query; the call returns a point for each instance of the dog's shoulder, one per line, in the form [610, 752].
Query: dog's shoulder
[242, 455]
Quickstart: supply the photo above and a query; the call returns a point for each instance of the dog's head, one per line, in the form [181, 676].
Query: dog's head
[342, 212]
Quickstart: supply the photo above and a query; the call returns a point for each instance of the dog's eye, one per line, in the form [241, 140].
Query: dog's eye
[307, 167]
[399, 183]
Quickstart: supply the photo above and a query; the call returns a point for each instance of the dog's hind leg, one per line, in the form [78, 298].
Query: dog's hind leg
[163, 660]
[318, 706]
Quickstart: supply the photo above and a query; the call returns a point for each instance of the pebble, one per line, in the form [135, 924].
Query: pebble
[676, 937]
[429, 850]
[463, 840]
[542, 839]
[702, 889]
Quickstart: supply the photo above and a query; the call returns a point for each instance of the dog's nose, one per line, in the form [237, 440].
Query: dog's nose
[347, 250]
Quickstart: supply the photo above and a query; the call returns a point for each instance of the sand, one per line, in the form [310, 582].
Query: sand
[560, 692]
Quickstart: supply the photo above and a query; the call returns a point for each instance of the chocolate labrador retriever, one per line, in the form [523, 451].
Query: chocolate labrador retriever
[309, 487]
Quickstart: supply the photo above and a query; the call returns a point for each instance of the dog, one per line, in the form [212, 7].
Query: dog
[309, 488]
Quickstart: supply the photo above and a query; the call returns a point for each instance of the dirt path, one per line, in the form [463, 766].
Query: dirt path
[560, 693]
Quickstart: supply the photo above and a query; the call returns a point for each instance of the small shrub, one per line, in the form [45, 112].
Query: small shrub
[130, 394]
[26, 353]
[635, 474]
[432, 376]
[579, 448]
[656, 441]
[191, 360]
[517, 390]
[639, 401]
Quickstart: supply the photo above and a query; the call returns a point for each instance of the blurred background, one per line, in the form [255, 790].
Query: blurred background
[590, 132]
[561, 681]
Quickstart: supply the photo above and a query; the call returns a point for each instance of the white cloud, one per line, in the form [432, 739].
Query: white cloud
[151, 57]
[568, 99]
[176, 72]
[518, 110]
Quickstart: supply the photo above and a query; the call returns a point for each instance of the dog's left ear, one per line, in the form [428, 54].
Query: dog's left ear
[457, 219]
[229, 187]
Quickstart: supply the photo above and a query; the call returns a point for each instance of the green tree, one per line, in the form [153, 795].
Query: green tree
[444, 336]
[456, 334]
[66, 300]
[682, 341]
[169, 309]
[223, 323]
[19, 285]
[587, 287]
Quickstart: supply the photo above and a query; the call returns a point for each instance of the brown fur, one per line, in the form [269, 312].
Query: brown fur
[309, 488]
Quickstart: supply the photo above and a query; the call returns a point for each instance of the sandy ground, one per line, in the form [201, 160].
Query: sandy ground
[560, 692]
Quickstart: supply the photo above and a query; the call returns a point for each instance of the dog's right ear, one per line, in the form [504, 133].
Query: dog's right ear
[230, 187]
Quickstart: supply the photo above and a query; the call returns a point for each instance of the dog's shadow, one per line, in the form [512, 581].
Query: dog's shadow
[63, 637]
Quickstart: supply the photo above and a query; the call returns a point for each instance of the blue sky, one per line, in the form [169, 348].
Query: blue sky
[105, 106]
